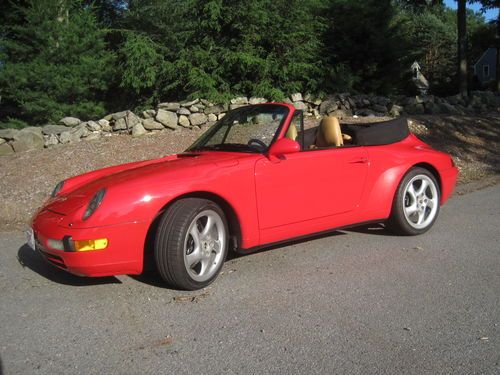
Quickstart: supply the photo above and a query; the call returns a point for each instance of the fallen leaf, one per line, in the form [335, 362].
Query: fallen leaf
[168, 340]
[199, 296]
[192, 298]
[183, 298]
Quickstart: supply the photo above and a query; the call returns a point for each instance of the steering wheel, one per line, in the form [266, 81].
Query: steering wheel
[257, 142]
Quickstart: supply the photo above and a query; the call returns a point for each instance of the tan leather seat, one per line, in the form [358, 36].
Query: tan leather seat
[291, 133]
[329, 133]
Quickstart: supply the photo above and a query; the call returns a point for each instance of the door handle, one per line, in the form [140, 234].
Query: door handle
[277, 158]
[361, 160]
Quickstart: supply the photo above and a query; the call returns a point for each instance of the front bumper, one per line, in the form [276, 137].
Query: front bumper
[123, 255]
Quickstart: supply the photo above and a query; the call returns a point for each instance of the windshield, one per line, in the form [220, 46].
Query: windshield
[246, 129]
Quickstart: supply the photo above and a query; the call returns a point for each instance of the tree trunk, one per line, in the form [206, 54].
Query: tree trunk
[497, 40]
[462, 47]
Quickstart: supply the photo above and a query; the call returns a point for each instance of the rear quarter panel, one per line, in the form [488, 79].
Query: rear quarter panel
[388, 166]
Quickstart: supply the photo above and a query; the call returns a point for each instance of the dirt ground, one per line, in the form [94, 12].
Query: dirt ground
[27, 178]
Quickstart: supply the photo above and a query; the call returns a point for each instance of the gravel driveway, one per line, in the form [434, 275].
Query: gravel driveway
[355, 302]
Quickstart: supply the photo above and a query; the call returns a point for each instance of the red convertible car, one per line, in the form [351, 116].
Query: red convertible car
[257, 177]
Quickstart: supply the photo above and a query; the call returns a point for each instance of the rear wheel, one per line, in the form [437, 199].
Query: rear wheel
[191, 243]
[416, 204]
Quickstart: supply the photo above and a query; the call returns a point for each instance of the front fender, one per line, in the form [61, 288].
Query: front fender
[141, 200]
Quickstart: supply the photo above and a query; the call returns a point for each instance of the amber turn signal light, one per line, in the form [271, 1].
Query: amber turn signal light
[90, 245]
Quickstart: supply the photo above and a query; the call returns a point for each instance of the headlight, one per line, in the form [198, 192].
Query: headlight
[94, 204]
[57, 189]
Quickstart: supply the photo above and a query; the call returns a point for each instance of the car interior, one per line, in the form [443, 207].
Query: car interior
[331, 134]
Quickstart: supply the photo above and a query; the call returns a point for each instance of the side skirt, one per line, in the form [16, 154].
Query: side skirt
[304, 238]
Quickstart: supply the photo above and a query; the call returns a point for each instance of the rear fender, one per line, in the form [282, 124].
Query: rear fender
[379, 199]
[381, 196]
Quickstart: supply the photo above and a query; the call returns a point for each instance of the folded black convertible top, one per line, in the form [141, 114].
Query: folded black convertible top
[380, 133]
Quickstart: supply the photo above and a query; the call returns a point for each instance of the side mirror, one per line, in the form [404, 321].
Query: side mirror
[284, 146]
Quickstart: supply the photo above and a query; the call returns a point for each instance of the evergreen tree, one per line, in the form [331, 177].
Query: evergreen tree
[219, 48]
[154, 35]
[82, 57]
[54, 62]
[365, 42]
[431, 34]
[108, 12]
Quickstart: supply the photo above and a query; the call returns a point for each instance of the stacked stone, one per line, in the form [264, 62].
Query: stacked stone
[198, 113]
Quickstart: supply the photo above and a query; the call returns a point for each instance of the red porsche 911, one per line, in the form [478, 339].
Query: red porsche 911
[257, 177]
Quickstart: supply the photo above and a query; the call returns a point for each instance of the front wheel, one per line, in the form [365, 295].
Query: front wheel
[191, 243]
[416, 204]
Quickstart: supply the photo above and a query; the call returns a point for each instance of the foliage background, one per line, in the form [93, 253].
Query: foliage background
[85, 58]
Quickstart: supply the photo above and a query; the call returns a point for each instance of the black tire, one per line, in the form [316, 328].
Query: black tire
[171, 237]
[398, 222]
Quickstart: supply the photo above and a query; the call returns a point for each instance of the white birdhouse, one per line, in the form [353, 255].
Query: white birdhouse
[419, 79]
[415, 68]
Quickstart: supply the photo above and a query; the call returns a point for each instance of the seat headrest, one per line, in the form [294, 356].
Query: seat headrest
[329, 133]
[291, 133]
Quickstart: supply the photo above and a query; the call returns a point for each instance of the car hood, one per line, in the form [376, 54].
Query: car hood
[178, 167]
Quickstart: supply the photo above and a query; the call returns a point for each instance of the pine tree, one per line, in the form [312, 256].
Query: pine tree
[220, 48]
[365, 43]
[430, 34]
[54, 62]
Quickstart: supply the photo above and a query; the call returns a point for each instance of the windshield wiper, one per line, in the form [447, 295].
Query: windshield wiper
[207, 147]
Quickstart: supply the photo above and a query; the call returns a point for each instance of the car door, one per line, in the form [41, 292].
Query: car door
[309, 185]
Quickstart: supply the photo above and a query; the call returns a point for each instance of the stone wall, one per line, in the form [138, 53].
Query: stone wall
[172, 116]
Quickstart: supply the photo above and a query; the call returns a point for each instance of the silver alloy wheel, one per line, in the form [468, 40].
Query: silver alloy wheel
[204, 245]
[420, 201]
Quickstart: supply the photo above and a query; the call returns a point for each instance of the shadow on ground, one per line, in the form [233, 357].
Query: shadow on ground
[297, 241]
[378, 229]
[152, 278]
[35, 262]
